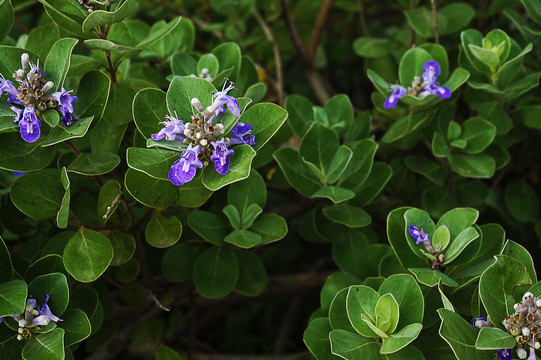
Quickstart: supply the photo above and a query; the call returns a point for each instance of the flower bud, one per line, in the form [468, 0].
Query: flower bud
[188, 132]
[24, 61]
[203, 142]
[22, 323]
[537, 345]
[525, 331]
[538, 303]
[209, 111]
[48, 86]
[19, 337]
[197, 104]
[521, 353]
[528, 299]
[19, 74]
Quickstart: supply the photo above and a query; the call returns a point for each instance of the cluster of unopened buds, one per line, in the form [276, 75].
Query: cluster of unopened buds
[31, 95]
[524, 325]
[33, 318]
[429, 86]
[432, 252]
[204, 137]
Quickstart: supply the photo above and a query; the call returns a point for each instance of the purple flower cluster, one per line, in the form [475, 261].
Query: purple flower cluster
[429, 86]
[433, 252]
[33, 318]
[32, 96]
[204, 137]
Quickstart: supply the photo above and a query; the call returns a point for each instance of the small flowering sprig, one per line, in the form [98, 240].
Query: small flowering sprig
[433, 252]
[503, 354]
[524, 325]
[204, 137]
[32, 96]
[429, 86]
[34, 318]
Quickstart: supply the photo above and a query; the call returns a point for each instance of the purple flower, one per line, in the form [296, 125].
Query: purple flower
[173, 130]
[431, 71]
[45, 315]
[220, 156]
[7, 86]
[507, 354]
[392, 100]
[28, 122]
[419, 235]
[65, 100]
[223, 99]
[479, 322]
[242, 134]
[183, 170]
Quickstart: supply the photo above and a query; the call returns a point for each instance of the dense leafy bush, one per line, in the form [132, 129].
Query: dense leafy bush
[182, 179]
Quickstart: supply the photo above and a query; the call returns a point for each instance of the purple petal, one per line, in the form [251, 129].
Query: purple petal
[432, 64]
[443, 92]
[41, 320]
[31, 132]
[222, 169]
[179, 177]
[45, 310]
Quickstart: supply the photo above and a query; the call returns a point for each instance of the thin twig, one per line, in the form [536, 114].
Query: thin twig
[435, 20]
[314, 78]
[72, 147]
[276, 51]
[156, 301]
[318, 29]
[364, 25]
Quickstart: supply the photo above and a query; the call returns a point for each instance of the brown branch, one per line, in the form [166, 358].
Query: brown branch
[362, 17]
[314, 78]
[276, 51]
[435, 20]
[318, 28]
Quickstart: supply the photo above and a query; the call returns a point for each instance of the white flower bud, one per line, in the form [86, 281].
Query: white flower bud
[537, 345]
[20, 330]
[19, 337]
[521, 353]
[538, 302]
[516, 306]
[209, 111]
[197, 104]
[188, 132]
[528, 299]
[198, 135]
[203, 142]
[48, 86]
[204, 72]
[24, 61]
[22, 323]
[19, 74]
[525, 331]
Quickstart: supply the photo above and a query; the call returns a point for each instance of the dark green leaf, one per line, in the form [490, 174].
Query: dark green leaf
[87, 255]
[216, 272]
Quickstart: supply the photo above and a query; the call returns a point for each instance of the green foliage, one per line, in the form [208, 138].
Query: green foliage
[378, 180]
